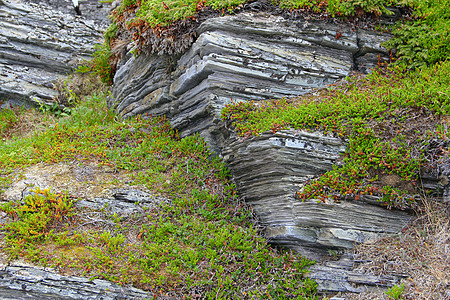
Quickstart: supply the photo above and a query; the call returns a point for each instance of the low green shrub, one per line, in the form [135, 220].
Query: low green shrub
[32, 221]
[100, 65]
[396, 291]
[9, 118]
[200, 244]
[426, 38]
[363, 115]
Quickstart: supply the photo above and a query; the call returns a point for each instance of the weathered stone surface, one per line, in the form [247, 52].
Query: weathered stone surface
[90, 183]
[20, 282]
[41, 41]
[339, 276]
[256, 56]
[249, 56]
[124, 201]
[269, 169]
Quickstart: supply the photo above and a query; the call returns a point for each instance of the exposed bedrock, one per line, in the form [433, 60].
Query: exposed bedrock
[249, 56]
[269, 169]
[41, 41]
[256, 56]
[22, 282]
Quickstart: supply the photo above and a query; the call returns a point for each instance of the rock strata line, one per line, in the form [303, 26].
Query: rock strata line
[39, 43]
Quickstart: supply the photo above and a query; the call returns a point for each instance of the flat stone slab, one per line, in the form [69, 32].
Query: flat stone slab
[23, 282]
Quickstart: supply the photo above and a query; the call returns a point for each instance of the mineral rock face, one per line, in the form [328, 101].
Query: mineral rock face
[39, 42]
[269, 169]
[249, 56]
[23, 282]
[254, 56]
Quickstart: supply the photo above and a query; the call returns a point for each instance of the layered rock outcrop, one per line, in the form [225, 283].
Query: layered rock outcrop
[269, 169]
[256, 56]
[249, 56]
[41, 41]
[21, 282]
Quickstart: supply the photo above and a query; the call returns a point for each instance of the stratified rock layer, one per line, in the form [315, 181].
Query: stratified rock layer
[21, 282]
[248, 56]
[256, 56]
[39, 43]
[269, 169]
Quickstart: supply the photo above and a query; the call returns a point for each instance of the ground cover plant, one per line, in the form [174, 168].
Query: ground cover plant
[157, 13]
[168, 27]
[425, 38]
[201, 243]
[387, 119]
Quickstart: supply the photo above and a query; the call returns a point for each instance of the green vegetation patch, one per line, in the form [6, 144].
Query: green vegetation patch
[426, 38]
[33, 219]
[157, 13]
[9, 119]
[202, 242]
[387, 120]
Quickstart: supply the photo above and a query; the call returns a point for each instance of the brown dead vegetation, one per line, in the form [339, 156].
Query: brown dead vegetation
[421, 253]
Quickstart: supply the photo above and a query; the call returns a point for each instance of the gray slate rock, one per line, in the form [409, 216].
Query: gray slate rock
[124, 202]
[40, 42]
[248, 56]
[21, 282]
[269, 169]
[339, 276]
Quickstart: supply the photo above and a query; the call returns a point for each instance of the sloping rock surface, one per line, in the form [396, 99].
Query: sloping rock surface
[257, 56]
[41, 41]
[249, 56]
[269, 169]
[21, 282]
